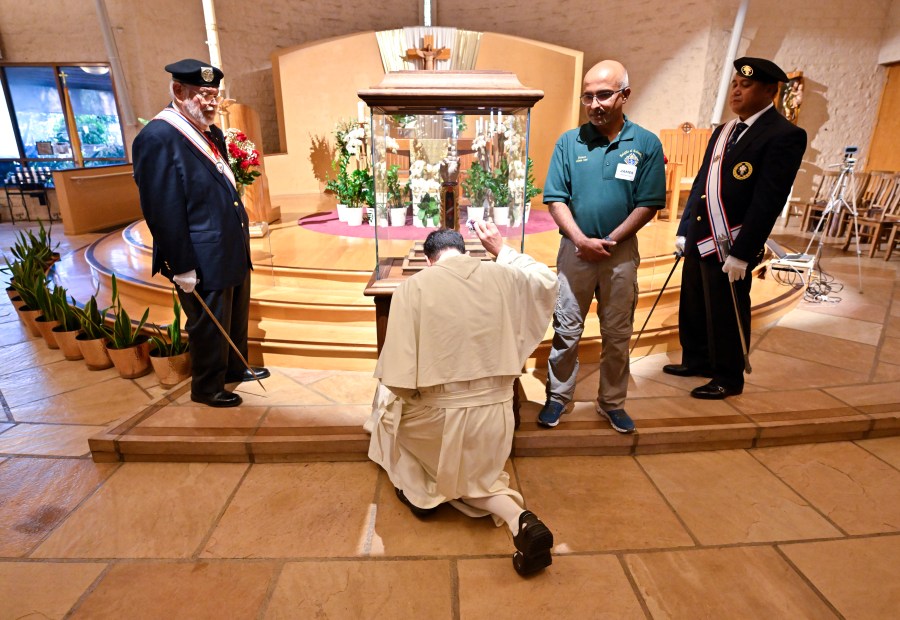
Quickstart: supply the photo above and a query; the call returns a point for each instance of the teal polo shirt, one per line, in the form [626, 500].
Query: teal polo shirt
[583, 175]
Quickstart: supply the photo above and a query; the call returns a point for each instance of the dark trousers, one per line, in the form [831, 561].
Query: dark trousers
[707, 325]
[211, 355]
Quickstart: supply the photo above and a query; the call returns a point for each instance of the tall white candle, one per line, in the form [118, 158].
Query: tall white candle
[453, 129]
[499, 118]
[361, 111]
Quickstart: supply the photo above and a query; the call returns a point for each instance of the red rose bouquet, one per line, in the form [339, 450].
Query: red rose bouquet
[242, 156]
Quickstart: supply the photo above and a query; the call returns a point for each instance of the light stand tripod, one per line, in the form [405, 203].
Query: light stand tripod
[837, 204]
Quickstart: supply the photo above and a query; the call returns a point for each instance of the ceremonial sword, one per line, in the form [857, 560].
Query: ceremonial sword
[678, 256]
[230, 341]
[725, 247]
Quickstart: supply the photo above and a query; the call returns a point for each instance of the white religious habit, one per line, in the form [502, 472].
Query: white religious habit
[458, 335]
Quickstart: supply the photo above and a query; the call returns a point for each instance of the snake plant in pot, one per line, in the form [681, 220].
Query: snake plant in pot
[69, 325]
[129, 349]
[170, 357]
[94, 336]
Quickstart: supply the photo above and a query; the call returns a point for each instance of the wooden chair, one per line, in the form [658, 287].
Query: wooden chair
[673, 191]
[685, 146]
[876, 222]
[893, 237]
[814, 206]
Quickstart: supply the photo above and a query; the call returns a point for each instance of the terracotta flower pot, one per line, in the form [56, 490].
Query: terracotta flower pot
[28, 317]
[67, 343]
[11, 291]
[171, 370]
[94, 352]
[132, 362]
[46, 329]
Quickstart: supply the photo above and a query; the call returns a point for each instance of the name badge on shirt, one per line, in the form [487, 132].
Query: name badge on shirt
[626, 172]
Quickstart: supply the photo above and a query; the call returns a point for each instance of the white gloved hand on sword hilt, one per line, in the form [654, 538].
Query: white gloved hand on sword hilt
[735, 268]
[679, 245]
[187, 281]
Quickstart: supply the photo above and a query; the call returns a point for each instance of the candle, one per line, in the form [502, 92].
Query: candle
[499, 117]
[361, 112]
[453, 130]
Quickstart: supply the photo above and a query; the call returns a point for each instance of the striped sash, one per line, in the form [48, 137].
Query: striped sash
[718, 220]
[195, 137]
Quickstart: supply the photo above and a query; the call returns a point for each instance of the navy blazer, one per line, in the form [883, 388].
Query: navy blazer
[757, 175]
[193, 211]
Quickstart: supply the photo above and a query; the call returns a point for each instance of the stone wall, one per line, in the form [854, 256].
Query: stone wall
[672, 48]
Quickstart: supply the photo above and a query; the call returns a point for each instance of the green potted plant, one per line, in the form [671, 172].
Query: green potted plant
[361, 193]
[476, 187]
[46, 320]
[395, 192]
[499, 186]
[128, 349]
[531, 190]
[69, 326]
[94, 336]
[28, 278]
[170, 356]
[429, 210]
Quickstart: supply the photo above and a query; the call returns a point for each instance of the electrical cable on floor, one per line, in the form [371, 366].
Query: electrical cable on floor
[820, 290]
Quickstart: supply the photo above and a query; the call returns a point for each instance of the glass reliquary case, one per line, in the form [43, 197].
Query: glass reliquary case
[447, 148]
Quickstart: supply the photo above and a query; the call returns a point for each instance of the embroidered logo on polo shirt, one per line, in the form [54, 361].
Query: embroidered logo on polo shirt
[581, 159]
[631, 157]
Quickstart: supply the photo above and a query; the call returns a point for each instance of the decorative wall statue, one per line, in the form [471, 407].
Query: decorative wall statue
[790, 96]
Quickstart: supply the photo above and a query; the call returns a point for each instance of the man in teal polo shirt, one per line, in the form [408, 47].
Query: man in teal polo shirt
[606, 180]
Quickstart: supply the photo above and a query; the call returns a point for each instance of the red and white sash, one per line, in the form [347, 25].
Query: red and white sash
[195, 137]
[718, 220]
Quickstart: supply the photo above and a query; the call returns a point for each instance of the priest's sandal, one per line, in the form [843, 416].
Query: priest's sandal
[533, 542]
[419, 512]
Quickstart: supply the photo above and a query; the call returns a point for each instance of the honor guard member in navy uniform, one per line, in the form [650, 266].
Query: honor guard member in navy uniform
[742, 187]
[200, 229]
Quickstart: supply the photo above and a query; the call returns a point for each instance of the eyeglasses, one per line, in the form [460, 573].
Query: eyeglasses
[211, 96]
[603, 95]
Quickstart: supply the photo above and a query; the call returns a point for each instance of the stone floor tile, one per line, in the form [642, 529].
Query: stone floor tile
[37, 494]
[867, 393]
[825, 349]
[592, 586]
[363, 589]
[890, 351]
[860, 577]
[279, 390]
[853, 488]
[727, 497]
[770, 370]
[760, 404]
[297, 510]
[43, 590]
[198, 590]
[892, 328]
[595, 504]
[304, 376]
[97, 403]
[349, 388]
[733, 583]
[146, 510]
[28, 353]
[49, 380]
[886, 448]
[887, 372]
[48, 439]
[316, 415]
[183, 420]
[817, 323]
[448, 532]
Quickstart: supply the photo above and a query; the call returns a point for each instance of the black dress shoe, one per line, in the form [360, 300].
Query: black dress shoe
[219, 399]
[533, 544]
[419, 512]
[258, 373]
[715, 391]
[680, 370]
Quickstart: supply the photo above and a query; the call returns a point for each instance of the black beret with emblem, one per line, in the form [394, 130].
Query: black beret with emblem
[195, 72]
[759, 69]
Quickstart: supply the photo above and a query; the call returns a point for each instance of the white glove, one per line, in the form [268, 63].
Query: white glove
[186, 281]
[735, 268]
[679, 245]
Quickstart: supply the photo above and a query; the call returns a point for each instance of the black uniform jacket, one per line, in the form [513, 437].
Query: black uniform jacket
[193, 211]
[757, 174]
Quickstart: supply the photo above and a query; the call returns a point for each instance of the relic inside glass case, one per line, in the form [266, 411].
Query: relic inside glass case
[448, 149]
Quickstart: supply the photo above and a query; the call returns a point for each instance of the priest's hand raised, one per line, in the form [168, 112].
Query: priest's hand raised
[489, 236]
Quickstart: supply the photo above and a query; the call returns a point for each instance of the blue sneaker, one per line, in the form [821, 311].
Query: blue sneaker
[618, 419]
[551, 413]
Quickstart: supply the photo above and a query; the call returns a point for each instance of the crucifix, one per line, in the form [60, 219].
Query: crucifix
[428, 53]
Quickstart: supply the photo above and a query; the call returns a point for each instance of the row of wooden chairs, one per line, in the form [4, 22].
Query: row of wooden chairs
[877, 200]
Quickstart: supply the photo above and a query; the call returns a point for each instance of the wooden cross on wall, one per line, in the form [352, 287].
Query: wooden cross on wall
[427, 53]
